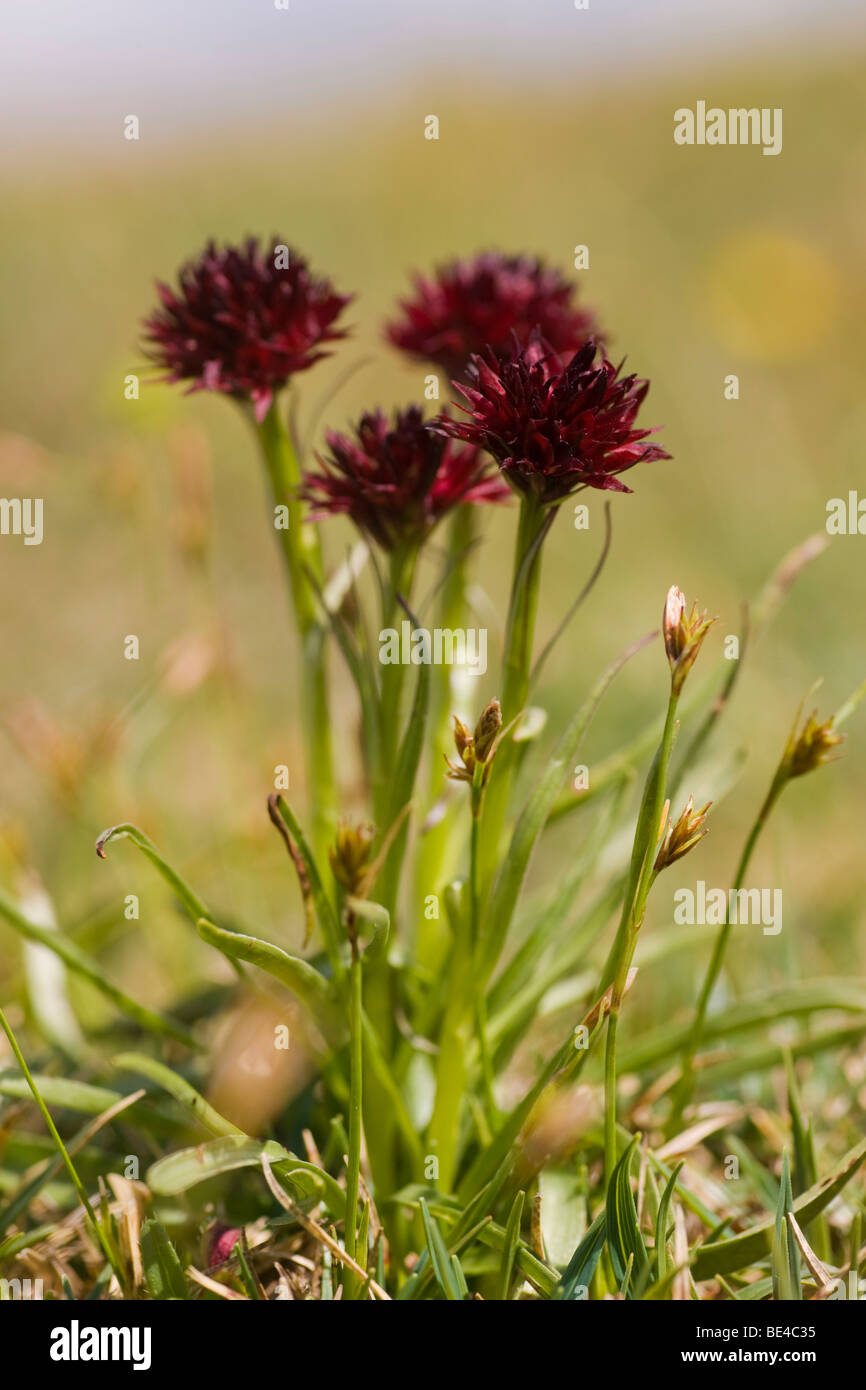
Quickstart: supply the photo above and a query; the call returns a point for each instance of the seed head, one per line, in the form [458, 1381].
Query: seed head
[478, 747]
[486, 730]
[811, 748]
[682, 835]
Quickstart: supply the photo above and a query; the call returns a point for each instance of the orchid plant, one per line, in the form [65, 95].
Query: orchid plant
[425, 962]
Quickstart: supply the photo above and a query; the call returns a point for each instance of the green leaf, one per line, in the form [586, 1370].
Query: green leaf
[176, 1086]
[193, 904]
[459, 1278]
[13, 1244]
[763, 1058]
[411, 748]
[442, 1266]
[179, 1171]
[379, 918]
[489, 1233]
[355, 654]
[534, 817]
[377, 1064]
[512, 1240]
[324, 911]
[550, 916]
[248, 1279]
[662, 1263]
[623, 1232]
[163, 1272]
[581, 1267]
[741, 1251]
[21, 1197]
[304, 981]
[804, 1176]
[362, 1247]
[466, 1222]
[563, 1213]
[82, 964]
[56, 1091]
[800, 997]
[575, 605]
[786, 1256]
[521, 1005]
[498, 1151]
[47, 982]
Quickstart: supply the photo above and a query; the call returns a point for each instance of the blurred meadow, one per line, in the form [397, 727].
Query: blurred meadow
[703, 262]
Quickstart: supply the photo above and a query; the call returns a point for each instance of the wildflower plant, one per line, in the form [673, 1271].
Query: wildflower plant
[412, 1164]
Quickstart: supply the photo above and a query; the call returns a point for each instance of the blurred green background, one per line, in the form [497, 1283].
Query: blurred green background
[703, 262]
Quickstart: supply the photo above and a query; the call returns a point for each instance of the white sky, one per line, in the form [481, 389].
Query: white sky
[70, 68]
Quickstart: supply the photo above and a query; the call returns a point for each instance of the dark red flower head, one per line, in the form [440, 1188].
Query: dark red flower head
[554, 428]
[243, 321]
[469, 306]
[396, 479]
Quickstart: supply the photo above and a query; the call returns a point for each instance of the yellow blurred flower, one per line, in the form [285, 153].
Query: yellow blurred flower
[771, 296]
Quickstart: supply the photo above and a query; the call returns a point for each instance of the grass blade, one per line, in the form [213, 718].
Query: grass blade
[786, 1259]
[575, 1282]
[324, 911]
[512, 1239]
[624, 1238]
[662, 1263]
[534, 816]
[163, 1272]
[81, 964]
[740, 1251]
[176, 1086]
[441, 1260]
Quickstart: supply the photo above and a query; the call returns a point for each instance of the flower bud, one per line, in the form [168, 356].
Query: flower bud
[349, 856]
[682, 835]
[683, 635]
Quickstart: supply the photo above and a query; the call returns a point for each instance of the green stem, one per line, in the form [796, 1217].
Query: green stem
[685, 1085]
[401, 573]
[610, 1097]
[301, 551]
[455, 1039]
[83, 1198]
[485, 1058]
[640, 880]
[439, 846]
[380, 1002]
[535, 520]
[465, 1008]
[478, 797]
[355, 1111]
[640, 868]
